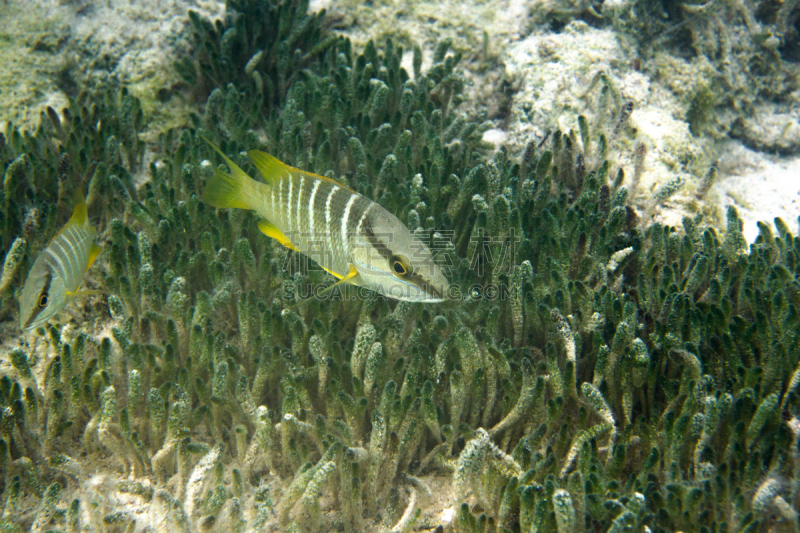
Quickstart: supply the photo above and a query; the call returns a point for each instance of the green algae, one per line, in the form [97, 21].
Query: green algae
[591, 374]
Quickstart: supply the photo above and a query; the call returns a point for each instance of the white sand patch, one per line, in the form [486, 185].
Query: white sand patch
[761, 187]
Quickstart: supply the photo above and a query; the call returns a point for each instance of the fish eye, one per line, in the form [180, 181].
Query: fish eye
[400, 265]
[43, 300]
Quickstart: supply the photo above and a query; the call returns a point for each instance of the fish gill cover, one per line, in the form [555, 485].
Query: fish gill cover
[589, 374]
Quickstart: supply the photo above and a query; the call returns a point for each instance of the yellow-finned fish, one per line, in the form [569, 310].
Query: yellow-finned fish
[350, 236]
[58, 270]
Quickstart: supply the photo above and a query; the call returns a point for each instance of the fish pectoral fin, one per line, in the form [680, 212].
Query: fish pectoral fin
[332, 273]
[86, 292]
[270, 230]
[349, 278]
[94, 251]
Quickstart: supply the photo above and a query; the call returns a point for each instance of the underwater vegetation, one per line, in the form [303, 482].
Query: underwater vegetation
[260, 45]
[592, 374]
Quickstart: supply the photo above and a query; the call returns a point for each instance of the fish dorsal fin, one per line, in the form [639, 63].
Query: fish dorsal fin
[80, 213]
[270, 230]
[349, 278]
[272, 169]
[94, 251]
[330, 180]
[269, 167]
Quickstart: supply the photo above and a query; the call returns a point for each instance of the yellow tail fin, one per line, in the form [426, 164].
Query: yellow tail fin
[80, 214]
[227, 190]
[224, 190]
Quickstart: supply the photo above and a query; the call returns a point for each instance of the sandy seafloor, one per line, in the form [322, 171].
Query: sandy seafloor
[47, 46]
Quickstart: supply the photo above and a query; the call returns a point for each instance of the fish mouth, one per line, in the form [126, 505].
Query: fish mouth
[436, 292]
[31, 292]
[435, 286]
[31, 324]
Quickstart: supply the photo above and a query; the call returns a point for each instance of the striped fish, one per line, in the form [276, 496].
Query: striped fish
[58, 270]
[350, 236]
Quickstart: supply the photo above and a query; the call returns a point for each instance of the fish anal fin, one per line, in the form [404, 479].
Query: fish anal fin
[272, 169]
[349, 278]
[270, 230]
[94, 251]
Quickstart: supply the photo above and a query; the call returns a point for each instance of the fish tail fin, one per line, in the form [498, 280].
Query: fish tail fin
[227, 190]
[80, 213]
